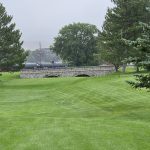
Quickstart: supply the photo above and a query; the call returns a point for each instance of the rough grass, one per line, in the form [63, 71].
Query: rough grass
[73, 114]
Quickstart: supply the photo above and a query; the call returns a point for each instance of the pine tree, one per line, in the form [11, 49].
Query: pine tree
[11, 51]
[142, 45]
[121, 22]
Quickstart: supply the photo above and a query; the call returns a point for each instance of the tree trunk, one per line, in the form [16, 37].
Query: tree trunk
[124, 68]
[116, 68]
[137, 69]
[0, 73]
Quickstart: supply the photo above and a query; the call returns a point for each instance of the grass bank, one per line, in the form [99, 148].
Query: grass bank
[102, 113]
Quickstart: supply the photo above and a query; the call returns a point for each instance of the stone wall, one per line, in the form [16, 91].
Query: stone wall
[67, 72]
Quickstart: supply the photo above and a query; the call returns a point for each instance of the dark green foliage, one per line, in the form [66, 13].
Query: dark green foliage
[143, 81]
[11, 51]
[142, 45]
[76, 44]
[122, 22]
[146, 64]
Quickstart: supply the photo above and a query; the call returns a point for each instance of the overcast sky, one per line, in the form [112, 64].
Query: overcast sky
[41, 20]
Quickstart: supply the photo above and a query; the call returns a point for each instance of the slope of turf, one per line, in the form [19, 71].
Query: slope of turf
[73, 114]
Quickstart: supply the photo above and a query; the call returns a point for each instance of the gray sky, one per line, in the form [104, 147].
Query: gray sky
[41, 20]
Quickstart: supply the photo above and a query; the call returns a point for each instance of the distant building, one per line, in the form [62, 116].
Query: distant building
[43, 56]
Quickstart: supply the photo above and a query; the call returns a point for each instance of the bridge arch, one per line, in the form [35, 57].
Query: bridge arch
[82, 75]
[52, 76]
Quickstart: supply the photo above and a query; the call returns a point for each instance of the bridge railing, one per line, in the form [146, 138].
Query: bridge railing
[103, 67]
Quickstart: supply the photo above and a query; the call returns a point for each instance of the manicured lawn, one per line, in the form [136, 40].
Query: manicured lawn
[73, 114]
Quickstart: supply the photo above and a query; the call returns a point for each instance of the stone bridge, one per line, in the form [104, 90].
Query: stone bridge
[67, 72]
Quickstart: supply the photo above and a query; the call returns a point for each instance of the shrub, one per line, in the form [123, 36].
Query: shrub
[142, 81]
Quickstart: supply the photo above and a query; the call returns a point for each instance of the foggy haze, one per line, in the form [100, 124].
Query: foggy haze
[41, 20]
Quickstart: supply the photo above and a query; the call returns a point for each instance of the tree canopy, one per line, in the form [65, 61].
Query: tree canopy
[122, 22]
[142, 45]
[11, 51]
[76, 44]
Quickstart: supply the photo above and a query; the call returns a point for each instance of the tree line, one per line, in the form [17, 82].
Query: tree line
[83, 44]
[123, 39]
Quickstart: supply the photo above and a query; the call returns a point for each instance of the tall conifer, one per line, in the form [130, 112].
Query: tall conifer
[11, 51]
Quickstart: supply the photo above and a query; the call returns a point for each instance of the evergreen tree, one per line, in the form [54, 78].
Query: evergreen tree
[11, 51]
[142, 45]
[121, 22]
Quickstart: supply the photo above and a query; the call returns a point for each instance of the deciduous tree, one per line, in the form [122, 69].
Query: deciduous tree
[76, 44]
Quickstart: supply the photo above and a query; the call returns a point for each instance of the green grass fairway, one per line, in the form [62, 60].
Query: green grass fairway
[102, 113]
